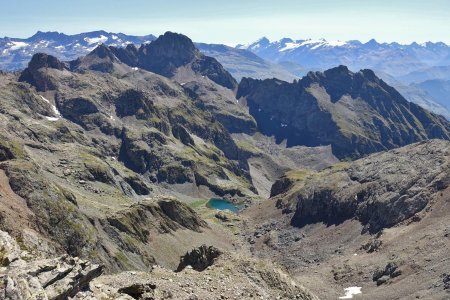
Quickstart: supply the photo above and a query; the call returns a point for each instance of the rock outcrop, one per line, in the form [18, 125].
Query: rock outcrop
[384, 274]
[162, 215]
[35, 73]
[199, 259]
[380, 191]
[357, 113]
[171, 51]
[23, 277]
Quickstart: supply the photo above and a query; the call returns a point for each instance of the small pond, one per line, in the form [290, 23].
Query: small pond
[221, 204]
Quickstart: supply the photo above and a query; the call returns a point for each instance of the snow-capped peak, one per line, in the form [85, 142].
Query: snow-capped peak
[262, 42]
[309, 43]
[96, 40]
[17, 45]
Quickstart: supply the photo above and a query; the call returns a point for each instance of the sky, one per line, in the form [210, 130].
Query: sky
[232, 21]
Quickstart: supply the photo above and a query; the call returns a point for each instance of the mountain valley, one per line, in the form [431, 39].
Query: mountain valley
[109, 156]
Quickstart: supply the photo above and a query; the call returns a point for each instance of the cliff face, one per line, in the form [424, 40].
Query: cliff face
[357, 113]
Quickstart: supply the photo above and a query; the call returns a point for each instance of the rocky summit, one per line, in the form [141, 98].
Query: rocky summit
[112, 164]
[357, 113]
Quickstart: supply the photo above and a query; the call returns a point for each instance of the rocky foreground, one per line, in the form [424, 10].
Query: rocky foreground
[212, 275]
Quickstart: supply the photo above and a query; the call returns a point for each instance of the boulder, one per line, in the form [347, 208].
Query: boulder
[391, 270]
[199, 259]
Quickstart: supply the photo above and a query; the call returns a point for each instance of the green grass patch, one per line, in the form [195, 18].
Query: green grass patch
[198, 204]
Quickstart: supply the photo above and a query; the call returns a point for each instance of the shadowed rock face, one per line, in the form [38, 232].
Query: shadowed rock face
[42, 60]
[171, 51]
[199, 259]
[380, 190]
[133, 102]
[167, 53]
[35, 77]
[357, 113]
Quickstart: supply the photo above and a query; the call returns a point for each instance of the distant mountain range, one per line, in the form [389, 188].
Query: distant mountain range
[15, 52]
[405, 67]
[393, 58]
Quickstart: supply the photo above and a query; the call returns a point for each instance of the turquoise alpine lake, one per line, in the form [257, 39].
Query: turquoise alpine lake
[221, 204]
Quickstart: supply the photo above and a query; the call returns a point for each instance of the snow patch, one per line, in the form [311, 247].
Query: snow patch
[43, 43]
[97, 40]
[60, 47]
[114, 37]
[135, 68]
[312, 44]
[55, 110]
[351, 291]
[45, 99]
[53, 119]
[336, 43]
[290, 46]
[256, 46]
[243, 46]
[17, 45]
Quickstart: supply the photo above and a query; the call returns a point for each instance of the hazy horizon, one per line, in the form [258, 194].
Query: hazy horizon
[228, 44]
[234, 22]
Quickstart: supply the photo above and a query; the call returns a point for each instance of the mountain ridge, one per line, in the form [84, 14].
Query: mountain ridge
[15, 54]
[339, 107]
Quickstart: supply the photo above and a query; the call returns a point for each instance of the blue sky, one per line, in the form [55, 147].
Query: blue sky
[232, 21]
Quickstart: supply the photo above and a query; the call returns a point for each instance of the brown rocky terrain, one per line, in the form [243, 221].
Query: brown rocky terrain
[380, 223]
[227, 276]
